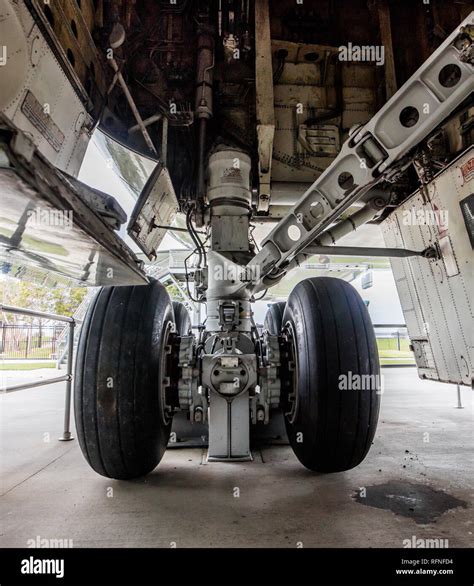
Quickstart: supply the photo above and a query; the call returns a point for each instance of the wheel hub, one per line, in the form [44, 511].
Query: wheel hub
[168, 389]
[289, 373]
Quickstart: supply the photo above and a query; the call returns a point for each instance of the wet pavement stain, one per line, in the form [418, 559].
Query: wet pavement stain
[419, 502]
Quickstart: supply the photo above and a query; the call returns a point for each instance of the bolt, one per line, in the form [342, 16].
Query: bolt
[379, 202]
[198, 415]
[260, 414]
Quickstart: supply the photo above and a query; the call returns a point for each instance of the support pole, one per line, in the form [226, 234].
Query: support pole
[67, 407]
[133, 107]
[116, 39]
[459, 405]
[362, 251]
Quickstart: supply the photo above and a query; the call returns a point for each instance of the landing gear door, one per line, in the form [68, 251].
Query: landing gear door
[436, 294]
[155, 209]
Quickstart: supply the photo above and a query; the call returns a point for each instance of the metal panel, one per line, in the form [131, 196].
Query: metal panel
[156, 207]
[229, 428]
[46, 224]
[230, 233]
[35, 93]
[436, 295]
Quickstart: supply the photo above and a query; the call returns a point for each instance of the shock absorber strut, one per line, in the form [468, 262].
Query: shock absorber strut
[229, 363]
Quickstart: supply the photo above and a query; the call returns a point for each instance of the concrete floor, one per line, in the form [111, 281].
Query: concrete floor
[418, 481]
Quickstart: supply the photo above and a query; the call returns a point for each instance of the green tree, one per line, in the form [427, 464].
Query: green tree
[60, 300]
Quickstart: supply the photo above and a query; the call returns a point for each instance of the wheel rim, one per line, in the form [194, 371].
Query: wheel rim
[166, 410]
[289, 339]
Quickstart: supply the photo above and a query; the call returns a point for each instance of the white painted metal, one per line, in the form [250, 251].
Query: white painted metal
[229, 177]
[229, 428]
[35, 93]
[374, 150]
[437, 295]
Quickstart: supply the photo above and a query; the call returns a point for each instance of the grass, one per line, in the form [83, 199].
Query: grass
[401, 362]
[19, 351]
[395, 354]
[392, 344]
[389, 353]
[26, 365]
[40, 353]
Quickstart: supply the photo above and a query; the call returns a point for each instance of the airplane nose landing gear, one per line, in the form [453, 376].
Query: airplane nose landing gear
[316, 359]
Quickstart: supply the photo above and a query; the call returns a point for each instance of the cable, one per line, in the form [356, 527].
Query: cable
[194, 237]
[263, 295]
[193, 233]
[204, 253]
[251, 231]
[187, 278]
[199, 250]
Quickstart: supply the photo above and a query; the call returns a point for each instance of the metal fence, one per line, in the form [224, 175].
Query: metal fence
[35, 341]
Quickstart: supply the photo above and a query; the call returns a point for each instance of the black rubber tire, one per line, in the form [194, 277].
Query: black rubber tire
[274, 317]
[120, 428]
[182, 319]
[333, 428]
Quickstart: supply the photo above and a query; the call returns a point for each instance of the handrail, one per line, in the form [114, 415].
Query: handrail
[33, 313]
[67, 436]
[78, 315]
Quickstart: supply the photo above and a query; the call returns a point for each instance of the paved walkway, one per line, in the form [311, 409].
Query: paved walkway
[418, 481]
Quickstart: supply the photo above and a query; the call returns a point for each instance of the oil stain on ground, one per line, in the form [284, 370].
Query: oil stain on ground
[421, 503]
